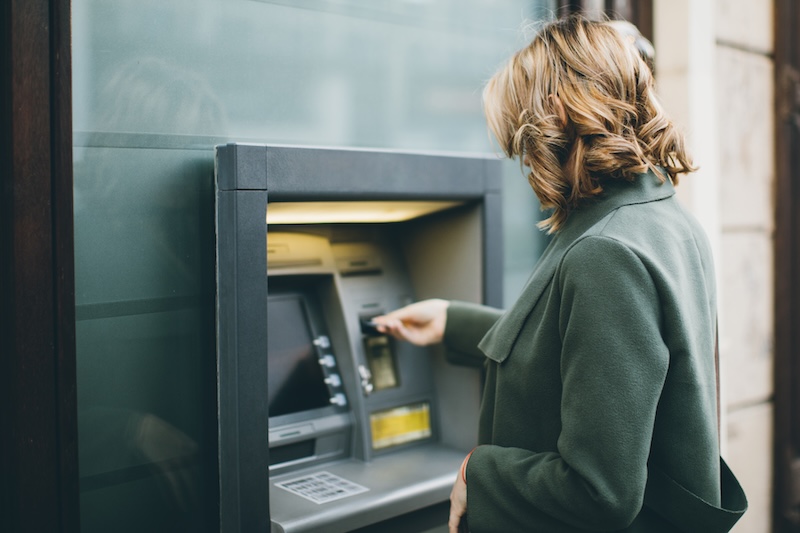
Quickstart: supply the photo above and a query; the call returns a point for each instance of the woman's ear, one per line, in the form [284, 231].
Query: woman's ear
[559, 109]
[527, 161]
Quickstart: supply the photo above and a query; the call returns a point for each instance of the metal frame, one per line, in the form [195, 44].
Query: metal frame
[246, 176]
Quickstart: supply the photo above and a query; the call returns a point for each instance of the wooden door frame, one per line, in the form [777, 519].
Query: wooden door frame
[639, 12]
[38, 400]
[786, 491]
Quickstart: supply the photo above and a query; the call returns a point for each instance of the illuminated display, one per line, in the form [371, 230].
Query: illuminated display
[351, 212]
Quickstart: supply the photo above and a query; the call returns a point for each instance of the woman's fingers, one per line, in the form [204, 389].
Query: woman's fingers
[420, 323]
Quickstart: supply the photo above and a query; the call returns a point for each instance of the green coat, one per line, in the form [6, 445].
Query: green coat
[599, 407]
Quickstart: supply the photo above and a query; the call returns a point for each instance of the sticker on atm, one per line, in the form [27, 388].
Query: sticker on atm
[400, 425]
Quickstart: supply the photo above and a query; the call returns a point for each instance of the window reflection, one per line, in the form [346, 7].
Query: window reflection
[156, 85]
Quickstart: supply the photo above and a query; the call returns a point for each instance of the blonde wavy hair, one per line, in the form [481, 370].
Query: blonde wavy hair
[578, 106]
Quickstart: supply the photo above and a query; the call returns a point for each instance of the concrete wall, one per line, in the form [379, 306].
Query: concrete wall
[715, 75]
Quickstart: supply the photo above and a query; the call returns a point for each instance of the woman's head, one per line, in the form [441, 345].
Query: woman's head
[578, 106]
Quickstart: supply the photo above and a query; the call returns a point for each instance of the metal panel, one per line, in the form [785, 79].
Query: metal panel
[242, 360]
[492, 249]
[242, 167]
[295, 173]
[299, 173]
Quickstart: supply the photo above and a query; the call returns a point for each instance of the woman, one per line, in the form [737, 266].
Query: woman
[599, 410]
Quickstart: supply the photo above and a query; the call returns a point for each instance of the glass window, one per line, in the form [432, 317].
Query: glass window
[156, 86]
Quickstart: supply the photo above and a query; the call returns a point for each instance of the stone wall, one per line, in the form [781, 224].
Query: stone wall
[715, 75]
[745, 110]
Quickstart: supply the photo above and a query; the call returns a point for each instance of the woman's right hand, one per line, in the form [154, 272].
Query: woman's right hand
[421, 323]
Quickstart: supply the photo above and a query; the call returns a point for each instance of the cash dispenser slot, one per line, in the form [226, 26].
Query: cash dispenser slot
[379, 351]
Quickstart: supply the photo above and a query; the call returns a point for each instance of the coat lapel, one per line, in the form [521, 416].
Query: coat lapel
[501, 337]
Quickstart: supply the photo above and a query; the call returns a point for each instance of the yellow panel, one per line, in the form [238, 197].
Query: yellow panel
[400, 425]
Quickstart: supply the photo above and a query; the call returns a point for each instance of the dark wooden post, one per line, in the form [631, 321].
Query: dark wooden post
[787, 263]
[38, 426]
[639, 12]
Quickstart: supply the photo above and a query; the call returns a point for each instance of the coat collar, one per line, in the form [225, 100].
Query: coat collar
[500, 338]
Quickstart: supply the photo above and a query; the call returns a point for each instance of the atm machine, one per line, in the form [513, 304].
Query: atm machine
[326, 425]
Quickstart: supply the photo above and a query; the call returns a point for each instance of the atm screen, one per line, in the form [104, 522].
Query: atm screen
[296, 381]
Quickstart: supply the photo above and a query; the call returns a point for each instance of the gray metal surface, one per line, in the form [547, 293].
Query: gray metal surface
[397, 484]
[242, 359]
[401, 480]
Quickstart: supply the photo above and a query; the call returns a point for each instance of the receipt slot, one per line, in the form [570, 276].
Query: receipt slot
[325, 424]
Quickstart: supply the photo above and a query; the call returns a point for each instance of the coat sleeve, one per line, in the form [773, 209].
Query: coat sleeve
[613, 364]
[466, 325]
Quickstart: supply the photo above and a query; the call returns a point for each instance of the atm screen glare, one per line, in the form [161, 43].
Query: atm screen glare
[295, 379]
